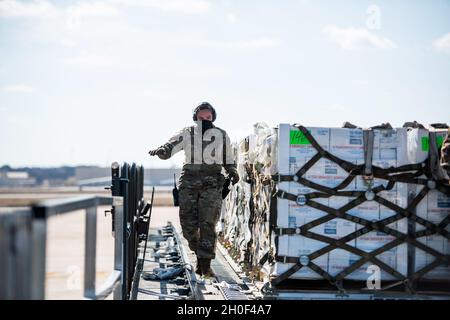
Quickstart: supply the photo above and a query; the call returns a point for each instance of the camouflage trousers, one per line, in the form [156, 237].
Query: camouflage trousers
[200, 200]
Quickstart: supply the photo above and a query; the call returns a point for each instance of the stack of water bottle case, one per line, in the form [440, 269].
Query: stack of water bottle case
[338, 204]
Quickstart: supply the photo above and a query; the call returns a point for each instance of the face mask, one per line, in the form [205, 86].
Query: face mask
[206, 124]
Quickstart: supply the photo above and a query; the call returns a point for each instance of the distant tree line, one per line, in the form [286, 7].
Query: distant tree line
[41, 174]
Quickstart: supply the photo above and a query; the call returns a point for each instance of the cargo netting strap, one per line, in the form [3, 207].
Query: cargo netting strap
[410, 173]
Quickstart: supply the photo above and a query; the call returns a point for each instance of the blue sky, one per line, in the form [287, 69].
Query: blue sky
[91, 82]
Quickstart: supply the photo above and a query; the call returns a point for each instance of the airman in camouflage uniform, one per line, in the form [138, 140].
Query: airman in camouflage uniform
[207, 150]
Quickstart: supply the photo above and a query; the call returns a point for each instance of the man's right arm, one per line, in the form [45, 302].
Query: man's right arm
[173, 146]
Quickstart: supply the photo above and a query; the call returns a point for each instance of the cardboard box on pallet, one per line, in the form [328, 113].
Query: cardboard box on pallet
[296, 246]
[391, 149]
[290, 214]
[324, 172]
[389, 144]
[370, 211]
[418, 144]
[388, 147]
[435, 207]
[347, 144]
[328, 174]
[339, 260]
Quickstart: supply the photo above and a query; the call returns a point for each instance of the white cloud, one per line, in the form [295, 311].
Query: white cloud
[176, 68]
[361, 82]
[232, 18]
[187, 6]
[45, 9]
[19, 88]
[442, 44]
[68, 43]
[89, 61]
[336, 107]
[151, 93]
[35, 9]
[77, 12]
[96, 9]
[158, 95]
[248, 44]
[356, 38]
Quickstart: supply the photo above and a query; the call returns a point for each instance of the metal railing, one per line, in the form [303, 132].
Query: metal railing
[47, 209]
[15, 242]
[23, 239]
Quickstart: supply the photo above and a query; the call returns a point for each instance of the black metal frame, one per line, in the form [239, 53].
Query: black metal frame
[128, 182]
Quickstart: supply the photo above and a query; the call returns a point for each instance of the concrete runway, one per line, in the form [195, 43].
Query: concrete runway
[24, 197]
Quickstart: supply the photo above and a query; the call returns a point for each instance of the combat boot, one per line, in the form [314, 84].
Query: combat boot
[198, 269]
[206, 268]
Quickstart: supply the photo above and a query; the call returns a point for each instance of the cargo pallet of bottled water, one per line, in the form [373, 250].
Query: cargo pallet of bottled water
[341, 207]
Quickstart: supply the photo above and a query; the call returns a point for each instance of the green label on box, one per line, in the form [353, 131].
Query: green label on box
[297, 137]
[426, 142]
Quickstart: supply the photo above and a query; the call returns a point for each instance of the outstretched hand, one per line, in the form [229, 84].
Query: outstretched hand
[154, 152]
